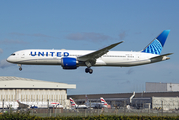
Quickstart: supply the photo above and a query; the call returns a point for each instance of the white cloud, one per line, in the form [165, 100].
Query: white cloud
[4, 64]
[122, 35]
[7, 41]
[91, 36]
[33, 35]
[1, 51]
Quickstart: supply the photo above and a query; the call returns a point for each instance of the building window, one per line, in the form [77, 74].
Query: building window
[26, 97]
[6, 97]
[36, 97]
[51, 97]
[56, 98]
[11, 97]
[59, 98]
[31, 98]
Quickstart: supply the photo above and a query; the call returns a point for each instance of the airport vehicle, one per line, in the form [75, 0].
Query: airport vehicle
[75, 106]
[39, 105]
[72, 59]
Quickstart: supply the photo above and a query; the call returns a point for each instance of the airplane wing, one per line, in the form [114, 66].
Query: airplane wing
[94, 55]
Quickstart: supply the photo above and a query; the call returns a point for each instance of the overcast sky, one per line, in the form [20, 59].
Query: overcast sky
[90, 25]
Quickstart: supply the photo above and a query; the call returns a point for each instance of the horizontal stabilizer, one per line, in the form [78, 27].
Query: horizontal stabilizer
[160, 58]
[162, 55]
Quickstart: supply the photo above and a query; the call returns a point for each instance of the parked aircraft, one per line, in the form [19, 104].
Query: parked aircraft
[72, 59]
[105, 103]
[39, 105]
[75, 106]
[7, 105]
[97, 105]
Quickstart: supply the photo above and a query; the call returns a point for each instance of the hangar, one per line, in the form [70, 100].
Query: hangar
[30, 90]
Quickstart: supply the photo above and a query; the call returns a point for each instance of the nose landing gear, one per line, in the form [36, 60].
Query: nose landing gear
[20, 66]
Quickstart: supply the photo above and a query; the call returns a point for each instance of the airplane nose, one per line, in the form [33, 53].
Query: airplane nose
[9, 59]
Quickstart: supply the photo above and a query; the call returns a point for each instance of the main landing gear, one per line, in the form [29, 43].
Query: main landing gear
[89, 70]
[20, 66]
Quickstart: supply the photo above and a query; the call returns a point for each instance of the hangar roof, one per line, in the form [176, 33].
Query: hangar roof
[17, 82]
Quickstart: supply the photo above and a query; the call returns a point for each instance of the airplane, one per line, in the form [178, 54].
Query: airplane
[75, 106]
[97, 105]
[7, 105]
[39, 105]
[72, 59]
[105, 103]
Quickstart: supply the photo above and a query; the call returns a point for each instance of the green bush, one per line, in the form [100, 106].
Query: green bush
[18, 116]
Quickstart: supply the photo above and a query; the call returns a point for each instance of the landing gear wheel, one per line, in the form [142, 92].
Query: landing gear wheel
[87, 70]
[20, 68]
[90, 71]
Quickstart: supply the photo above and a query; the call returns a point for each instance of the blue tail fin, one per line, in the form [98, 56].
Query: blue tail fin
[155, 47]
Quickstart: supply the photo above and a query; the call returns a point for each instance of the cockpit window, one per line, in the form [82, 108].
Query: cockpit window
[13, 54]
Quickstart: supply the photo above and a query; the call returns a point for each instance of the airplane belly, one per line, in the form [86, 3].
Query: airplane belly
[134, 63]
[126, 63]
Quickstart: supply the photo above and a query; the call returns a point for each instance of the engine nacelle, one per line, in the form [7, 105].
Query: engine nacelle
[69, 63]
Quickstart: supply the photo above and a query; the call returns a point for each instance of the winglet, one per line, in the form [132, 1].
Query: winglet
[162, 55]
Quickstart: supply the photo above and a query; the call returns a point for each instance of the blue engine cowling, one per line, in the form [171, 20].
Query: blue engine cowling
[69, 63]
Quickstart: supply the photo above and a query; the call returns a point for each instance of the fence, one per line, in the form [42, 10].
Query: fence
[157, 108]
[93, 112]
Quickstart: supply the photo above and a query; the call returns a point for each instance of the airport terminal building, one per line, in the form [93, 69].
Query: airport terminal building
[157, 95]
[30, 90]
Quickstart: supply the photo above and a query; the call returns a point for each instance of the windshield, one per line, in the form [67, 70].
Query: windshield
[13, 54]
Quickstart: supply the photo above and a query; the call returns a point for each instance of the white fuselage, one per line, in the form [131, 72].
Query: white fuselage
[96, 105]
[79, 107]
[54, 57]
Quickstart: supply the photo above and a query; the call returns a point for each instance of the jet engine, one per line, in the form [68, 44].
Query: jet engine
[69, 63]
